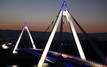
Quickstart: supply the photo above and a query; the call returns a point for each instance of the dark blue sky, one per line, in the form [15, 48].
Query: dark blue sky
[91, 14]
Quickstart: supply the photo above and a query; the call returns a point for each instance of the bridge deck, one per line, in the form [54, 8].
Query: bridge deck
[68, 60]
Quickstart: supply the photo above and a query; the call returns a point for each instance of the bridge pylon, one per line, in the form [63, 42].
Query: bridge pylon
[18, 41]
[62, 12]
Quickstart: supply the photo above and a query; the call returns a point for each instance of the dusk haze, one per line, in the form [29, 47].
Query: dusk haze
[90, 14]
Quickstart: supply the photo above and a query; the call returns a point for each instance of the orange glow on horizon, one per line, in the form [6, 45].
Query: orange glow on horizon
[44, 26]
[34, 28]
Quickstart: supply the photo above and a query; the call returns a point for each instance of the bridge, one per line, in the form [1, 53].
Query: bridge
[68, 60]
[54, 58]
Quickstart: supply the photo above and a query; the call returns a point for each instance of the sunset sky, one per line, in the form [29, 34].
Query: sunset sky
[90, 14]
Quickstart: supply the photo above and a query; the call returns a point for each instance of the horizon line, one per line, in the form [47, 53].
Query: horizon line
[48, 31]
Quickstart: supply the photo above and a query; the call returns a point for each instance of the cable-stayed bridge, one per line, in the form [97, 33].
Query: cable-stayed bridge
[54, 58]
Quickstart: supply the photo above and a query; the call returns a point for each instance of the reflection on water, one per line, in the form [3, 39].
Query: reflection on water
[20, 66]
[44, 65]
[14, 65]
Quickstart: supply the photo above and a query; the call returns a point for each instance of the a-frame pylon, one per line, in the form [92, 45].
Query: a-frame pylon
[17, 43]
[63, 12]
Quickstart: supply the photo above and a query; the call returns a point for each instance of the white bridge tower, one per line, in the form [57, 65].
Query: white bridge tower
[17, 43]
[63, 12]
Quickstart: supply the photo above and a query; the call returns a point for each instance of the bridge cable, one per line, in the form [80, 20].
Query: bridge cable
[98, 50]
